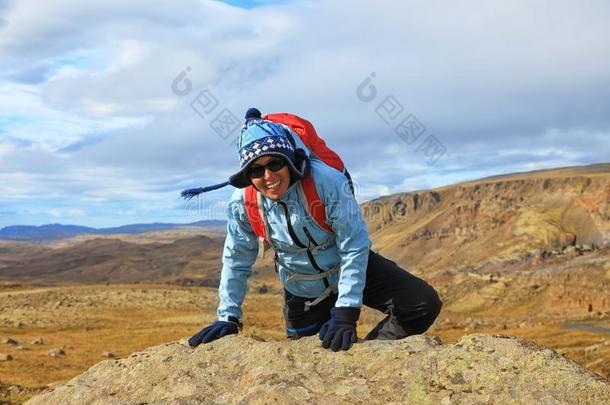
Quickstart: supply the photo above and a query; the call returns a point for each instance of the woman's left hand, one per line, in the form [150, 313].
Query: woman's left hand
[339, 332]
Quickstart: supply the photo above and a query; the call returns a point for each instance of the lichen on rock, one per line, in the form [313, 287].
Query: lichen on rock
[419, 369]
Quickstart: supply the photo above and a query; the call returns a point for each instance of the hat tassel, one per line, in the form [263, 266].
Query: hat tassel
[192, 192]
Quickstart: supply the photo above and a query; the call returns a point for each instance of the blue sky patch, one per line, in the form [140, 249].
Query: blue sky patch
[253, 3]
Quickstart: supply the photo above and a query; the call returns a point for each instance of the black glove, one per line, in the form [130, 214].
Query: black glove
[215, 331]
[339, 332]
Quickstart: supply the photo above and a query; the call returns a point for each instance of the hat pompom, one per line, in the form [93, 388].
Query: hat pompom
[253, 113]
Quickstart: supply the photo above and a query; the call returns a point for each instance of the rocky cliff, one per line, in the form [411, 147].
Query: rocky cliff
[419, 369]
[495, 218]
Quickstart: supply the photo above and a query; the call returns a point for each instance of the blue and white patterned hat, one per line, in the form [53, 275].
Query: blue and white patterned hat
[258, 138]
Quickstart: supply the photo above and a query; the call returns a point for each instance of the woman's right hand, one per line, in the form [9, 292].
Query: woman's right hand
[214, 331]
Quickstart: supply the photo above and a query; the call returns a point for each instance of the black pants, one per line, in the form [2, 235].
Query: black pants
[410, 303]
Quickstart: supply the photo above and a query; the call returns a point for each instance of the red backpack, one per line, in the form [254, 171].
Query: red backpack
[309, 197]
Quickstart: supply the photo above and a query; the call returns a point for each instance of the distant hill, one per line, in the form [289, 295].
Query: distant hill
[494, 225]
[108, 260]
[495, 219]
[52, 232]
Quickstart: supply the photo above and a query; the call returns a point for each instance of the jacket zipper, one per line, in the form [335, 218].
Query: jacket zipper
[296, 240]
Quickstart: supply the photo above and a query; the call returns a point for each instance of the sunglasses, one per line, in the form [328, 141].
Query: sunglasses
[257, 171]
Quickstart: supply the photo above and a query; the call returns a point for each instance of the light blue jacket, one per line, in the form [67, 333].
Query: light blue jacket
[347, 247]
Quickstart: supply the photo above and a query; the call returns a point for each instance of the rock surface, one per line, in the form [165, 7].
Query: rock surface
[56, 352]
[10, 341]
[108, 355]
[238, 369]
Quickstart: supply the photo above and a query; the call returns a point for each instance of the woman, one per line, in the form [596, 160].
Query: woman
[327, 274]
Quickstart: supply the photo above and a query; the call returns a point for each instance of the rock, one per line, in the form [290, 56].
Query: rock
[108, 355]
[56, 352]
[37, 341]
[586, 248]
[5, 357]
[570, 250]
[566, 239]
[20, 347]
[476, 369]
[591, 349]
[10, 341]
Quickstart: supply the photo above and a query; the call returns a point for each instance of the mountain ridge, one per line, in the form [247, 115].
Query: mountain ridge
[56, 231]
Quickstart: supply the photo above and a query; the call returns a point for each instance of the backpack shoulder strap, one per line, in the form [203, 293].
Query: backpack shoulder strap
[314, 207]
[253, 200]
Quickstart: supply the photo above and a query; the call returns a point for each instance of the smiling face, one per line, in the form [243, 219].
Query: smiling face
[272, 185]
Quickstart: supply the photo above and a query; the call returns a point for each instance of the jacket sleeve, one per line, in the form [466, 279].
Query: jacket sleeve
[344, 216]
[239, 254]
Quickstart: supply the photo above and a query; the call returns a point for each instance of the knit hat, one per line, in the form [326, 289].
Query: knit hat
[259, 137]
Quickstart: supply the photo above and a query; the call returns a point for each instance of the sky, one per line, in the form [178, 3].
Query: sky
[108, 109]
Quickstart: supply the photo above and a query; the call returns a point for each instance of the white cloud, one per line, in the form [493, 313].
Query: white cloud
[66, 213]
[87, 89]
[25, 116]
[5, 150]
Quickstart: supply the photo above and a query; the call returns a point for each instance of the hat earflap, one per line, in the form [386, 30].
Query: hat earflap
[302, 163]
